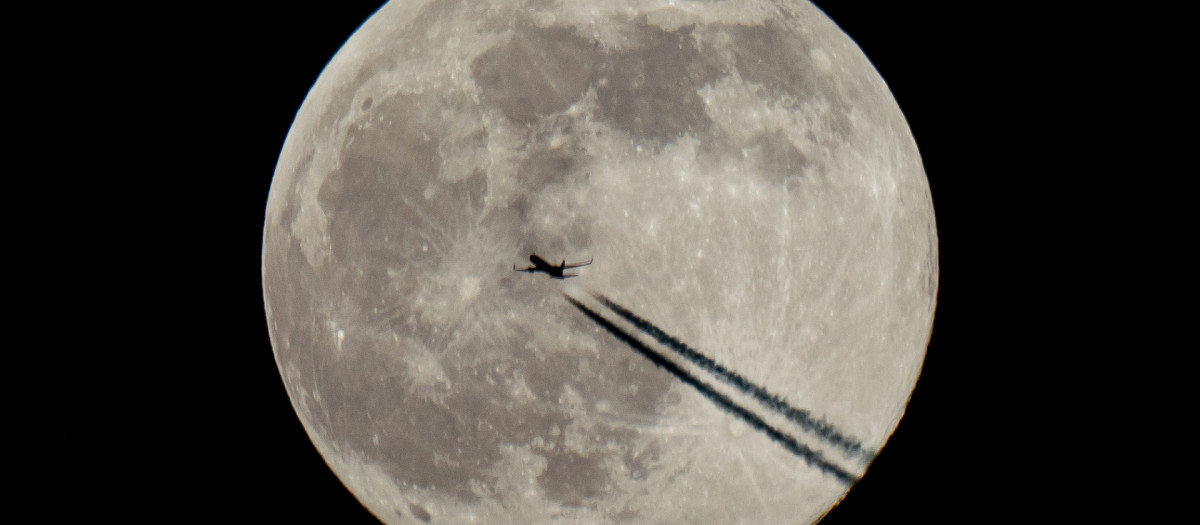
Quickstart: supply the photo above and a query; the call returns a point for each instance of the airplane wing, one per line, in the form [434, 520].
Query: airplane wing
[577, 265]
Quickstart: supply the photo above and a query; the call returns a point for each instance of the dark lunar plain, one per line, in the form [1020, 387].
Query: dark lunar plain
[958, 454]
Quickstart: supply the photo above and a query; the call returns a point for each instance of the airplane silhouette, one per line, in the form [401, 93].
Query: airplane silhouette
[555, 271]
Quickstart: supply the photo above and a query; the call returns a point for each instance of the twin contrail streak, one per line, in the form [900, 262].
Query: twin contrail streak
[788, 442]
[770, 401]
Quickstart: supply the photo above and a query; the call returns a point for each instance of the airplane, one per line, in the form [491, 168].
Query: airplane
[555, 271]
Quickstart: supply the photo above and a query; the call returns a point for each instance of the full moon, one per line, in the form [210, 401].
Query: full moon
[762, 277]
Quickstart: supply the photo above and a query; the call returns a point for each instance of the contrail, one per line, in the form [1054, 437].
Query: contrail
[773, 402]
[787, 441]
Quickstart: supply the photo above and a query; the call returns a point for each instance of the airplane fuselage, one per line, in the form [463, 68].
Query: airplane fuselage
[540, 265]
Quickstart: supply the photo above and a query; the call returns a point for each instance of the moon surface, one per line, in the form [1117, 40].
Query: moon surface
[764, 276]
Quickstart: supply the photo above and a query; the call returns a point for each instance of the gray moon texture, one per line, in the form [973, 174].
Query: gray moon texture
[741, 176]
